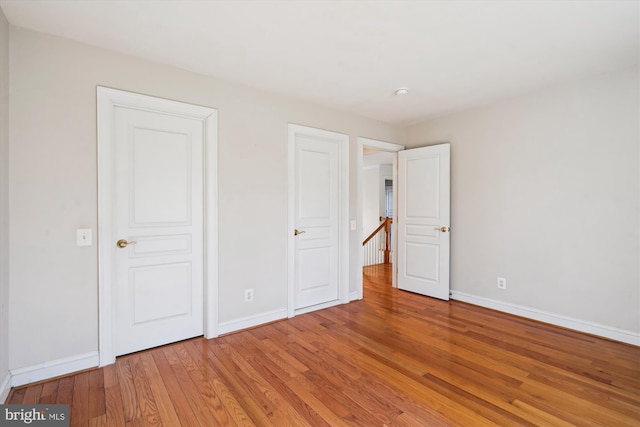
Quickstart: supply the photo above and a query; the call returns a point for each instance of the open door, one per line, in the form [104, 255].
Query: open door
[422, 220]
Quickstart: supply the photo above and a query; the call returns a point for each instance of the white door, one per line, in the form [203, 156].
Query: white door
[158, 214]
[422, 223]
[318, 257]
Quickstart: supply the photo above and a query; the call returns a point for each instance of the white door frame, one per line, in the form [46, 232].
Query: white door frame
[343, 216]
[382, 146]
[107, 100]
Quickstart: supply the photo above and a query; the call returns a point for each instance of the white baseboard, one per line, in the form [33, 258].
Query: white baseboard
[353, 296]
[609, 332]
[5, 388]
[54, 368]
[251, 321]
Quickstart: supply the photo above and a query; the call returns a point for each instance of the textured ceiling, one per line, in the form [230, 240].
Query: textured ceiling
[352, 55]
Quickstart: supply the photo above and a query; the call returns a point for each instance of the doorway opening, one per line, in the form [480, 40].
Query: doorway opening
[377, 198]
[377, 207]
[421, 206]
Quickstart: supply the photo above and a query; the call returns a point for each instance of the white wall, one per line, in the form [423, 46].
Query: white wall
[386, 172]
[545, 192]
[376, 167]
[4, 206]
[370, 199]
[373, 202]
[53, 186]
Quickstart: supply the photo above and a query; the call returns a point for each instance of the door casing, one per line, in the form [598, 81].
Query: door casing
[107, 100]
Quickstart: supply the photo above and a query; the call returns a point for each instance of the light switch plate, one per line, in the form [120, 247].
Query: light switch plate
[83, 237]
[354, 225]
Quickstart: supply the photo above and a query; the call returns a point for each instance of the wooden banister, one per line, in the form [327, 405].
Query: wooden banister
[372, 235]
[386, 225]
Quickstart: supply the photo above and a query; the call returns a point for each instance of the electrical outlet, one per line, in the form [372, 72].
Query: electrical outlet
[502, 283]
[248, 295]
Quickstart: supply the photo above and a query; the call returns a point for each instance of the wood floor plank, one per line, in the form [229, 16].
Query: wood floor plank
[603, 415]
[114, 409]
[262, 381]
[329, 416]
[32, 396]
[392, 359]
[97, 406]
[49, 392]
[165, 407]
[248, 399]
[16, 396]
[222, 404]
[185, 411]
[279, 376]
[65, 390]
[129, 397]
[99, 421]
[594, 393]
[543, 417]
[113, 397]
[198, 390]
[79, 411]
[146, 400]
[333, 382]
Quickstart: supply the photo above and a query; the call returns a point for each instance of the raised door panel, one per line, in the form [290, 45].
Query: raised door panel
[160, 168]
[422, 196]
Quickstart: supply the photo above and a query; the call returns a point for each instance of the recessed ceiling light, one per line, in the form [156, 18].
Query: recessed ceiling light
[402, 91]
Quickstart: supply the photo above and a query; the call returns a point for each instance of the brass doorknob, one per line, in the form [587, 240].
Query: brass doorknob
[296, 232]
[443, 229]
[123, 243]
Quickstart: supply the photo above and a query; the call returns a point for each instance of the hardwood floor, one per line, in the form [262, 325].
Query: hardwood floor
[394, 358]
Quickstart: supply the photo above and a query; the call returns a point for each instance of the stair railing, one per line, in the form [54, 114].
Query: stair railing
[377, 246]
